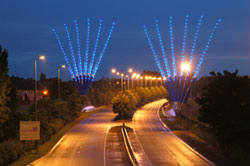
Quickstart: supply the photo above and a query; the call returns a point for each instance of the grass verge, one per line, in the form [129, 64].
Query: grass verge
[45, 148]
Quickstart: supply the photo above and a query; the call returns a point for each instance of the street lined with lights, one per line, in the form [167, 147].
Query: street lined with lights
[136, 79]
[177, 76]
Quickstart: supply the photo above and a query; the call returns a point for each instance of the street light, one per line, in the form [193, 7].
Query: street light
[42, 58]
[154, 78]
[133, 76]
[185, 67]
[128, 81]
[130, 70]
[150, 78]
[141, 81]
[146, 81]
[45, 92]
[59, 88]
[113, 71]
[138, 80]
[122, 81]
[160, 80]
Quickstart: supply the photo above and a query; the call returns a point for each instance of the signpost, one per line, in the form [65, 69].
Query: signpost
[30, 130]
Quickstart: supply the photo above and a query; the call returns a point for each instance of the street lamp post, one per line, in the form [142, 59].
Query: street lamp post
[128, 81]
[141, 81]
[146, 81]
[150, 78]
[130, 71]
[122, 82]
[42, 58]
[59, 90]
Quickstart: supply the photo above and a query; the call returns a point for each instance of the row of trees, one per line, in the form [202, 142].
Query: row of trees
[225, 106]
[126, 102]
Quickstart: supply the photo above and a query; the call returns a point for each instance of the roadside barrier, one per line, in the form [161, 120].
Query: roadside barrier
[129, 147]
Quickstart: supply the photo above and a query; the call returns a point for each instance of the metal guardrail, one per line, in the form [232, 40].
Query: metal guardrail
[129, 147]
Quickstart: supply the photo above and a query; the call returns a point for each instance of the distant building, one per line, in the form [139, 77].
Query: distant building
[28, 95]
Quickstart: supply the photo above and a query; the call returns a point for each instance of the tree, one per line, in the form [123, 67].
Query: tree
[122, 104]
[225, 106]
[4, 89]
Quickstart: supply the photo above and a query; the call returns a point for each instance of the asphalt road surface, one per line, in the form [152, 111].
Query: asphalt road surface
[82, 145]
[160, 145]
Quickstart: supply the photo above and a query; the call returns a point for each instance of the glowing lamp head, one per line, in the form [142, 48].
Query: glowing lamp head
[113, 70]
[185, 67]
[45, 92]
[118, 73]
[141, 78]
[42, 57]
[130, 70]
[122, 74]
[146, 77]
[63, 66]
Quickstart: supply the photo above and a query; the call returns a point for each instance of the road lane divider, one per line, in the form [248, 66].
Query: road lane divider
[129, 148]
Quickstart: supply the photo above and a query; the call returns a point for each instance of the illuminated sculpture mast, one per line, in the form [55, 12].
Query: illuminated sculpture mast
[83, 69]
[179, 80]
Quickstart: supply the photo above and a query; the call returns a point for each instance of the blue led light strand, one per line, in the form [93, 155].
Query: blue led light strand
[184, 39]
[103, 50]
[95, 48]
[87, 49]
[206, 48]
[153, 51]
[78, 47]
[164, 56]
[172, 44]
[64, 54]
[195, 39]
[71, 50]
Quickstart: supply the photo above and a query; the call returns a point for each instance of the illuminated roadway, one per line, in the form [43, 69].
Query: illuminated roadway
[82, 145]
[160, 145]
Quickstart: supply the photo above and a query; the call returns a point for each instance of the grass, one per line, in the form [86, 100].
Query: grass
[45, 148]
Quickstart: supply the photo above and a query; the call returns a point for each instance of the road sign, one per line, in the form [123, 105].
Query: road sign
[29, 130]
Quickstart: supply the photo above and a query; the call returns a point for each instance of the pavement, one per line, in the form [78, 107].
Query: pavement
[160, 145]
[82, 145]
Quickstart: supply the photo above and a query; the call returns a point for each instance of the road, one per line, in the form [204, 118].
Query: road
[82, 145]
[162, 146]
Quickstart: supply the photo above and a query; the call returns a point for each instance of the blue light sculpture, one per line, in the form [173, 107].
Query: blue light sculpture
[83, 70]
[178, 82]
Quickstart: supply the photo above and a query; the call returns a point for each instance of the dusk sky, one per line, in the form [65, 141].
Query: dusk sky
[25, 30]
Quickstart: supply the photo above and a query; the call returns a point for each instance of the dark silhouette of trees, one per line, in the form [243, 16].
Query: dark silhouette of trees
[225, 106]
[4, 90]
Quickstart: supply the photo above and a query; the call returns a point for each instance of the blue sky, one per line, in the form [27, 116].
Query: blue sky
[25, 30]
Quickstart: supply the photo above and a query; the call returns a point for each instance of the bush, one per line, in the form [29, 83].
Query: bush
[122, 104]
[10, 150]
